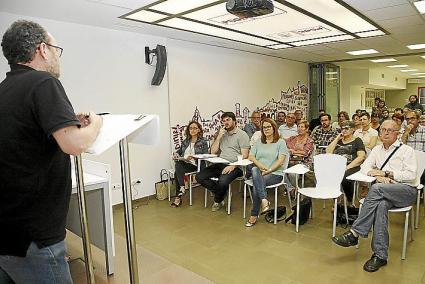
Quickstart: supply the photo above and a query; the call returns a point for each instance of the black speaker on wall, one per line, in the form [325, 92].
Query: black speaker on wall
[160, 53]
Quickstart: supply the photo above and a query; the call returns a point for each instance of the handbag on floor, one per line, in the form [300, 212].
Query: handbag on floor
[161, 187]
[353, 213]
[305, 207]
[281, 214]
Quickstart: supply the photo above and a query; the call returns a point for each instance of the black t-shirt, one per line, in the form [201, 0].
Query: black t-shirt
[35, 175]
[349, 150]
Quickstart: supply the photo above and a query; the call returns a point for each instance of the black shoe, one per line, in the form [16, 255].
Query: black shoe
[346, 240]
[374, 263]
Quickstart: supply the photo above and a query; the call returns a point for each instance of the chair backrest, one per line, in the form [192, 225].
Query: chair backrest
[420, 160]
[329, 170]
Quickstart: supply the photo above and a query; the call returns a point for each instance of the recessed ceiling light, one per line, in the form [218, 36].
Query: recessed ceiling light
[383, 60]
[423, 56]
[398, 66]
[146, 16]
[371, 33]
[416, 46]
[421, 76]
[361, 52]
[279, 46]
[420, 5]
[415, 74]
[178, 6]
[409, 70]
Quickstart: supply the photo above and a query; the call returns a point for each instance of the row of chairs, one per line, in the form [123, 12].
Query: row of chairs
[329, 171]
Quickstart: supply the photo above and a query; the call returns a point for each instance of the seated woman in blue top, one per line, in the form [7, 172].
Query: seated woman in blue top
[184, 160]
[268, 155]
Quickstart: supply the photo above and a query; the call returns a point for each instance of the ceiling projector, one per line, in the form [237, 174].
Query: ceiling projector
[249, 8]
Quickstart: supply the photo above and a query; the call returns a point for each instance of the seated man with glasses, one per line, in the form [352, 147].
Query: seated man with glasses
[394, 166]
[254, 125]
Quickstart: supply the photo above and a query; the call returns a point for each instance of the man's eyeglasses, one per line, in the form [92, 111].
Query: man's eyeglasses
[55, 46]
[387, 130]
[345, 128]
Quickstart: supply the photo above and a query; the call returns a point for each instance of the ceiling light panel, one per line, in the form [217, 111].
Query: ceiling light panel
[179, 6]
[371, 33]
[279, 46]
[362, 52]
[383, 60]
[146, 16]
[420, 5]
[335, 13]
[416, 46]
[213, 31]
[423, 56]
[417, 74]
[409, 70]
[284, 24]
[322, 40]
[398, 66]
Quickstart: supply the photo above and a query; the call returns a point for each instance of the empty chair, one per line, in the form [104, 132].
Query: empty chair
[329, 170]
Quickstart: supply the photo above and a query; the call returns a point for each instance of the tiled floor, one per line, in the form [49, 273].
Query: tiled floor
[218, 246]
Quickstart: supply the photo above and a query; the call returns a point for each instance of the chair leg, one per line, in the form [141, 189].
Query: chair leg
[289, 197]
[206, 198]
[418, 204]
[297, 222]
[406, 227]
[229, 199]
[244, 201]
[360, 208]
[356, 188]
[412, 219]
[345, 208]
[275, 205]
[334, 222]
[169, 186]
[190, 190]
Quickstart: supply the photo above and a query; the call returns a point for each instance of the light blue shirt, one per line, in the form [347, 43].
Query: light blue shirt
[268, 154]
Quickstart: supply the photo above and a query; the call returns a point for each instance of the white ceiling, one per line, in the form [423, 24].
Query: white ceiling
[399, 17]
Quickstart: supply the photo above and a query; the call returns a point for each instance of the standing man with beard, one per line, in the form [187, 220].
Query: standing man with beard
[40, 130]
[229, 144]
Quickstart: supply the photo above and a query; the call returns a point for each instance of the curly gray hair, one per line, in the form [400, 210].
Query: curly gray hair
[20, 41]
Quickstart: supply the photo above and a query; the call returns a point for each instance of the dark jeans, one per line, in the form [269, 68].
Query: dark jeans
[219, 188]
[182, 168]
[348, 185]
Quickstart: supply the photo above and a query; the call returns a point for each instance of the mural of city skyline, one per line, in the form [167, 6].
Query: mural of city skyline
[294, 98]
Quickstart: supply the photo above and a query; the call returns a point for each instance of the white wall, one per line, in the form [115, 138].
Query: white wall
[213, 78]
[104, 70]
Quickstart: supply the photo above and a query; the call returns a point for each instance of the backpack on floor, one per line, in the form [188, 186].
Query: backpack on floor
[305, 207]
[280, 214]
[353, 213]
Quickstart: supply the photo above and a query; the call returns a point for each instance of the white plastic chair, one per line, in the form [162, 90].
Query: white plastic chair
[229, 194]
[420, 159]
[329, 171]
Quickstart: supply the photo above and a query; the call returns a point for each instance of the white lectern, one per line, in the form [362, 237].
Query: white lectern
[133, 128]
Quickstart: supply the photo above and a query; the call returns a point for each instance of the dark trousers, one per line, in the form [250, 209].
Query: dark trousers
[181, 169]
[348, 185]
[219, 188]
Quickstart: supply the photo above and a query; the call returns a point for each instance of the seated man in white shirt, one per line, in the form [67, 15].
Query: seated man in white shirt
[395, 186]
[288, 129]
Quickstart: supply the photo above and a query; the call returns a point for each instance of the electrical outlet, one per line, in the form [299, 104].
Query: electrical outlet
[116, 186]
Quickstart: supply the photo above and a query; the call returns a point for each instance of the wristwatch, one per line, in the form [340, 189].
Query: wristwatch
[387, 174]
